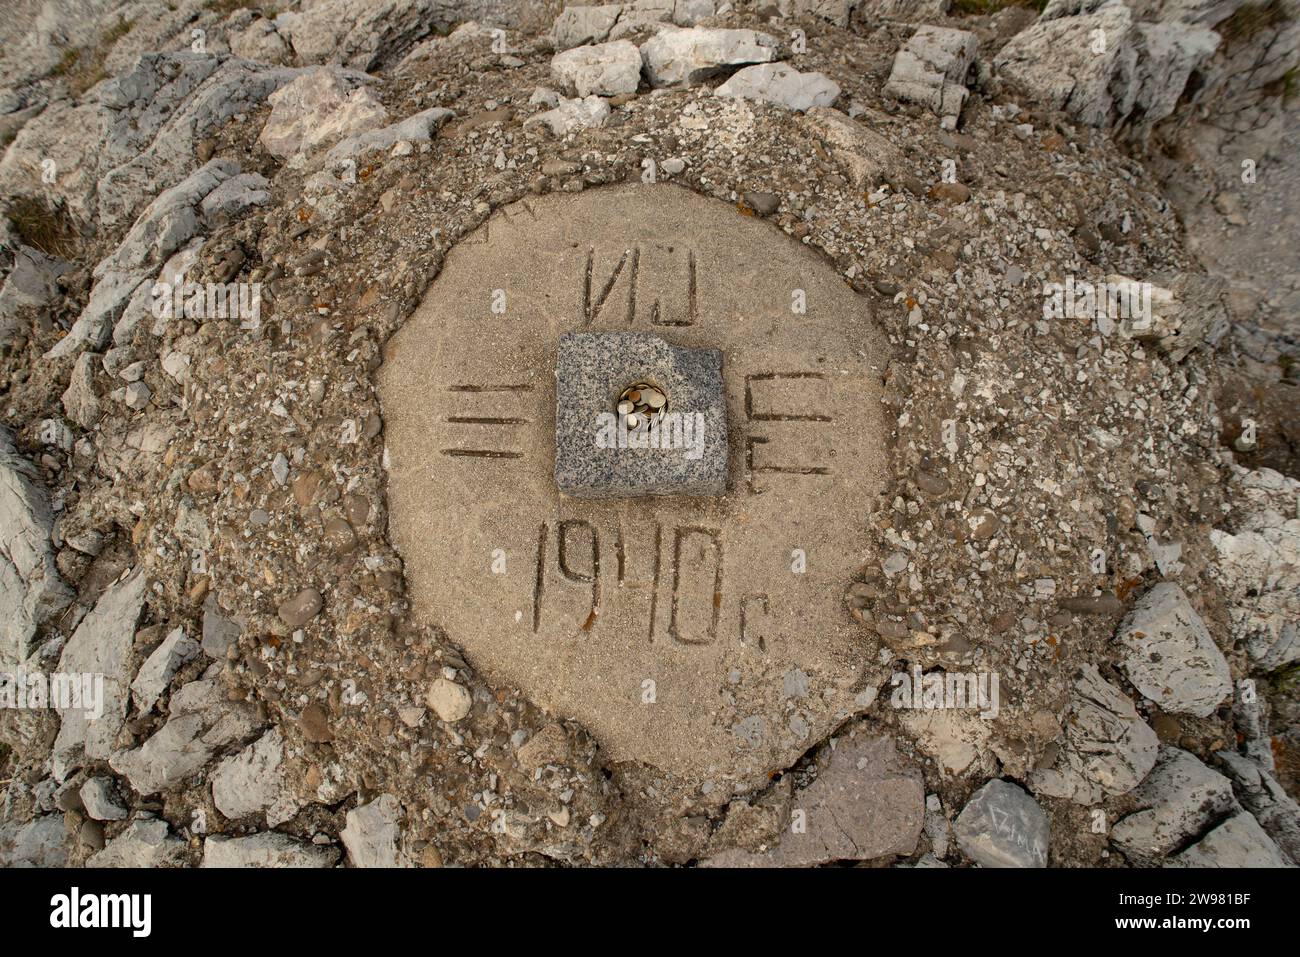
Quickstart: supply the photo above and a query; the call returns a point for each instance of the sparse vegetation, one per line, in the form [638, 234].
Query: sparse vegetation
[986, 7]
[1253, 18]
[83, 67]
[42, 227]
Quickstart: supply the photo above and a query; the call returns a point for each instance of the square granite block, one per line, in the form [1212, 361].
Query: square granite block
[591, 460]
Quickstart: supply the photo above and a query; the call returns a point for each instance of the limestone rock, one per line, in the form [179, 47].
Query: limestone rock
[1002, 826]
[266, 849]
[866, 156]
[573, 115]
[1258, 568]
[931, 70]
[99, 799]
[697, 53]
[1261, 794]
[317, 110]
[605, 69]
[836, 11]
[147, 842]
[201, 721]
[1237, 842]
[41, 842]
[31, 590]
[1090, 58]
[101, 645]
[1107, 748]
[373, 834]
[249, 782]
[1177, 801]
[576, 26]
[157, 671]
[783, 85]
[1170, 656]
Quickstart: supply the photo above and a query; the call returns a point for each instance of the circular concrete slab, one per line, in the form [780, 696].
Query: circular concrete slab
[707, 637]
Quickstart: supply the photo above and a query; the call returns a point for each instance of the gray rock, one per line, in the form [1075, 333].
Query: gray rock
[373, 834]
[32, 283]
[79, 400]
[1137, 77]
[160, 110]
[1170, 656]
[836, 11]
[31, 590]
[219, 632]
[697, 53]
[41, 842]
[158, 669]
[99, 798]
[1002, 826]
[1237, 842]
[573, 115]
[1277, 812]
[931, 70]
[1178, 800]
[783, 85]
[260, 41]
[605, 69]
[174, 218]
[910, 11]
[369, 34]
[418, 128]
[249, 782]
[1258, 568]
[576, 26]
[317, 110]
[201, 721]
[866, 156]
[267, 849]
[101, 645]
[1107, 748]
[866, 803]
[147, 842]
[589, 462]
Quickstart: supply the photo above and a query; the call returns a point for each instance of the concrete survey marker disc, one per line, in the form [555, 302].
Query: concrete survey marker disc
[705, 636]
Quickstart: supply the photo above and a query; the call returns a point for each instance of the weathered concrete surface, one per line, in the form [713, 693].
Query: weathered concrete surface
[677, 653]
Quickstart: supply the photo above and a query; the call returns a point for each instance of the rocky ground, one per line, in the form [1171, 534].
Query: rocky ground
[194, 507]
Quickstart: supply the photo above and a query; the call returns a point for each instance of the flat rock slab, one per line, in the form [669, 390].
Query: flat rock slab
[707, 637]
[598, 456]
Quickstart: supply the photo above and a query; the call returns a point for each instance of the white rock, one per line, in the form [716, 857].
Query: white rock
[373, 834]
[101, 645]
[249, 782]
[573, 115]
[159, 668]
[147, 842]
[31, 590]
[1107, 748]
[783, 85]
[317, 110]
[697, 53]
[605, 69]
[267, 849]
[1237, 842]
[1179, 798]
[449, 701]
[100, 800]
[1170, 656]
[931, 69]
